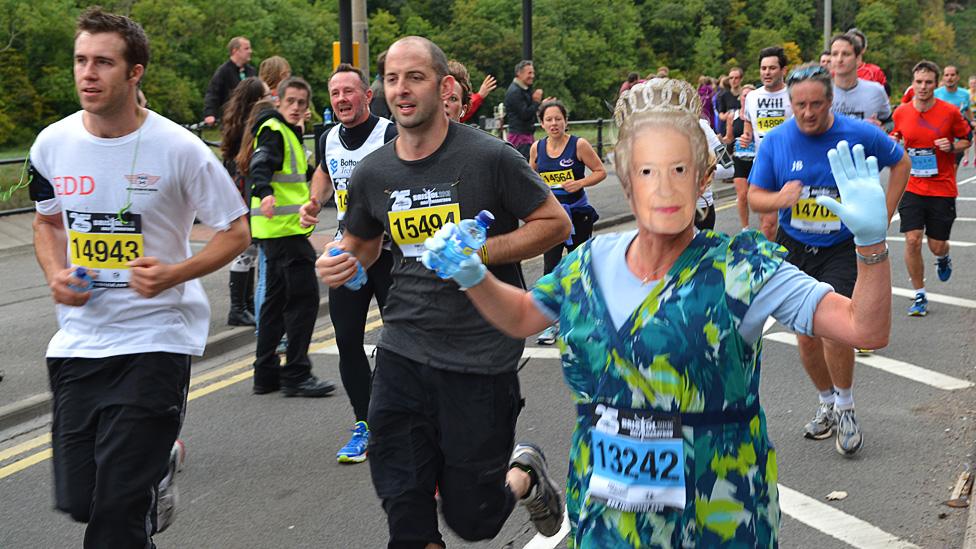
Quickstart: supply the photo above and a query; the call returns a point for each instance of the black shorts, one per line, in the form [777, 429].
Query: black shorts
[836, 265]
[742, 167]
[934, 214]
[705, 219]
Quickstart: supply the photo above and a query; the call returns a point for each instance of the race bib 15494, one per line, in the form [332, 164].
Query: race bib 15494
[416, 214]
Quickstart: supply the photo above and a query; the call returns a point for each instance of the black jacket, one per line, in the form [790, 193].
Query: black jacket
[223, 82]
[520, 109]
[269, 155]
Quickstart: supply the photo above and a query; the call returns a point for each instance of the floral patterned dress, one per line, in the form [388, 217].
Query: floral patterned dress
[679, 352]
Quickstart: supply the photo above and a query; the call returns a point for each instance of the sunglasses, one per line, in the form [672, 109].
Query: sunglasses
[805, 73]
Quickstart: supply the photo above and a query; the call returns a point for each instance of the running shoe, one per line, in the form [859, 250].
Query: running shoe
[168, 497]
[919, 306]
[355, 450]
[861, 351]
[822, 424]
[849, 437]
[543, 502]
[943, 266]
[311, 387]
[548, 336]
[178, 455]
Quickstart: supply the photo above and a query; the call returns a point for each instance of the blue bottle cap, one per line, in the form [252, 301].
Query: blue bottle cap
[485, 218]
[81, 272]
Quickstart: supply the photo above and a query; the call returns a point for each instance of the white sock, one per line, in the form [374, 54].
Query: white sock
[845, 399]
[920, 291]
[827, 397]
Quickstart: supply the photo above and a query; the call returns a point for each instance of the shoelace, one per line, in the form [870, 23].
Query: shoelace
[845, 422]
[824, 412]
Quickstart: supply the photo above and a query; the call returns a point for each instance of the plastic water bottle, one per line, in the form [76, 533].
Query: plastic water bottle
[357, 281]
[327, 116]
[81, 273]
[469, 235]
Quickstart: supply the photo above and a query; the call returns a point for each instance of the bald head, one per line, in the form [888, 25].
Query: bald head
[436, 57]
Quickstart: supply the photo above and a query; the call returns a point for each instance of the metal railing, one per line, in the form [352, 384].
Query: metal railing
[601, 143]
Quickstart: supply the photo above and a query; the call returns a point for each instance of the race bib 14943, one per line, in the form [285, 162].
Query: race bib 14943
[102, 242]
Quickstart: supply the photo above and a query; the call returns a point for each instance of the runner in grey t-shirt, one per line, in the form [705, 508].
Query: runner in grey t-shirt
[445, 393]
[854, 96]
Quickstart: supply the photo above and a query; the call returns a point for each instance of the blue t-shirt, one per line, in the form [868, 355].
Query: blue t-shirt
[788, 154]
[959, 98]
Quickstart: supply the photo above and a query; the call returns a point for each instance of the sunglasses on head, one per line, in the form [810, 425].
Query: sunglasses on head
[799, 75]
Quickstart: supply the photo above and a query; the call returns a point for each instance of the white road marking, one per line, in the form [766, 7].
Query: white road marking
[937, 298]
[959, 243]
[542, 542]
[969, 219]
[965, 199]
[892, 366]
[836, 523]
[770, 322]
[529, 352]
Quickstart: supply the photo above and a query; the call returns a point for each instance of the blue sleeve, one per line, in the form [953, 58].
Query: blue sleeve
[763, 174]
[885, 149]
[790, 296]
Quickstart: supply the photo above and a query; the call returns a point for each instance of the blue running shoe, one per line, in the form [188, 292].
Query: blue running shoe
[918, 306]
[944, 267]
[355, 450]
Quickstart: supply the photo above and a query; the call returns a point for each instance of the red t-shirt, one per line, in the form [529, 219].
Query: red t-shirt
[872, 72]
[476, 101]
[933, 170]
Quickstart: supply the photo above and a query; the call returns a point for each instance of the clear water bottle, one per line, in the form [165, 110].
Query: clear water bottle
[357, 281]
[469, 235]
[81, 273]
[327, 116]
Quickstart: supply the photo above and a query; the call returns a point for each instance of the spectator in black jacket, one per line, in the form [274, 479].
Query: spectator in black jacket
[521, 105]
[227, 77]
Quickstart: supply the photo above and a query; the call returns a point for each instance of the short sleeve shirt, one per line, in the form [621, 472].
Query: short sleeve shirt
[933, 170]
[427, 319]
[766, 110]
[788, 154]
[867, 99]
[959, 98]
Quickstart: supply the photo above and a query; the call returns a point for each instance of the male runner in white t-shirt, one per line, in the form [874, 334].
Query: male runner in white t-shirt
[765, 109]
[117, 188]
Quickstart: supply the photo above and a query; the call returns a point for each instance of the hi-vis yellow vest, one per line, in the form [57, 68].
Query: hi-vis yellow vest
[289, 187]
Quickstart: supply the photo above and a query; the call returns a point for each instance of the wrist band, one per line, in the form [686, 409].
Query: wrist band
[483, 253]
[873, 258]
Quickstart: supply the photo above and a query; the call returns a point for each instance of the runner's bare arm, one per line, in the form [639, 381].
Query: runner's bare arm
[150, 276]
[545, 227]
[765, 201]
[335, 271]
[50, 242]
[865, 319]
[589, 158]
[319, 191]
[897, 181]
[510, 309]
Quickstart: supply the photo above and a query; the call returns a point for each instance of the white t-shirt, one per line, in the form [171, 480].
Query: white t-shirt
[766, 110]
[170, 176]
[866, 99]
[723, 163]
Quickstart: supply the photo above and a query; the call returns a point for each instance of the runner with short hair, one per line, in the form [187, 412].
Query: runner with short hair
[789, 175]
[853, 96]
[445, 390]
[765, 109]
[116, 189]
[932, 131]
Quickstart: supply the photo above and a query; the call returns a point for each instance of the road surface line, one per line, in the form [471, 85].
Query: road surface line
[24, 463]
[892, 366]
[25, 446]
[938, 298]
[836, 523]
[959, 243]
[542, 542]
[969, 219]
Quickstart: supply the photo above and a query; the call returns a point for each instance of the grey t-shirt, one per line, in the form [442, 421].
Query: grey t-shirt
[864, 100]
[427, 319]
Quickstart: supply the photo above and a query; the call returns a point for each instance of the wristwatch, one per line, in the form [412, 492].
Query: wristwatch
[873, 258]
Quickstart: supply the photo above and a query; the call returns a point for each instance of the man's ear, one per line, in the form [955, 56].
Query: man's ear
[447, 86]
[136, 72]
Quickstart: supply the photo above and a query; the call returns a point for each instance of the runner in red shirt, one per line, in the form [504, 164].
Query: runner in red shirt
[932, 131]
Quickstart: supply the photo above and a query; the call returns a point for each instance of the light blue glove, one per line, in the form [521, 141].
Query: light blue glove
[469, 272]
[863, 210]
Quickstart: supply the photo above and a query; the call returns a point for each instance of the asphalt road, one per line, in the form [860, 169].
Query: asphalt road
[261, 470]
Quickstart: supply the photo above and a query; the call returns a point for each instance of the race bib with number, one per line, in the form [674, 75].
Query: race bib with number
[767, 119]
[416, 214]
[341, 198]
[101, 242]
[924, 162]
[808, 216]
[556, 179]
[638, 460]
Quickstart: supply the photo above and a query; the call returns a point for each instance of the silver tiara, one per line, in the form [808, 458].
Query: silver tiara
[657, 95]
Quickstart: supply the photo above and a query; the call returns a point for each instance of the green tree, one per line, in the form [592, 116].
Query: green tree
[708, 50]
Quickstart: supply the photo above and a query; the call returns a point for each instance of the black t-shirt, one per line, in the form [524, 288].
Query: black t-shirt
[427, 319]
[728, 101]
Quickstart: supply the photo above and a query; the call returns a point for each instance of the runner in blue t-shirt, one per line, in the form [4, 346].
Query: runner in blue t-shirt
[950, 92]
[790, 171]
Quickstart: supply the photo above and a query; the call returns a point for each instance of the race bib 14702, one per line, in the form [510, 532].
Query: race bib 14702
[811, 217]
